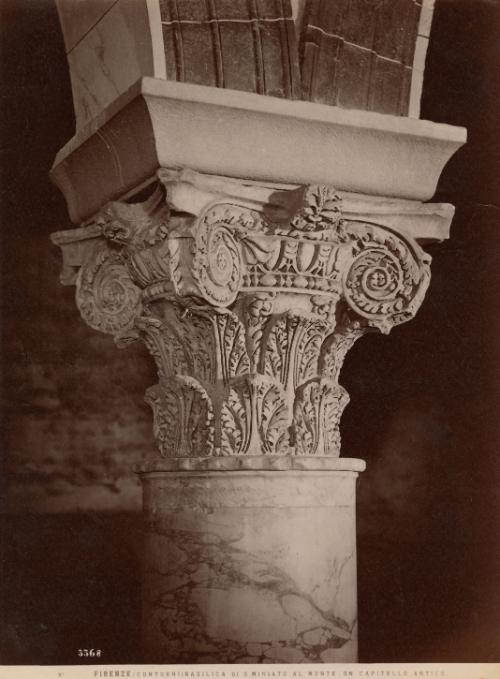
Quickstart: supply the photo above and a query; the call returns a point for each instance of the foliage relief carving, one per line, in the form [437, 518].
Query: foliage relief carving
[247, 316]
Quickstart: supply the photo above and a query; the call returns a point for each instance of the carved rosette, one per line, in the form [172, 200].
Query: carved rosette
[106, 297]
[248, 307]
[217, 265]
[387, 278]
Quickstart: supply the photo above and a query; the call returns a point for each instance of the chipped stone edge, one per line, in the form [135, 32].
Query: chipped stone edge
[253, 463]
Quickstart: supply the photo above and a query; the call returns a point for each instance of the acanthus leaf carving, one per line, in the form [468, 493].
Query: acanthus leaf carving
[321, 210]
[223, 333]
[164, 345]
[248, 312]
[334, 349]
[236, 421]
[183, 418]
[293, 342]
[257, 312]
[255, 418]
[232, 346]
[318, 407]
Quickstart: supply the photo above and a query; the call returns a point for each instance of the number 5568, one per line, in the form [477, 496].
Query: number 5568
[89, 652]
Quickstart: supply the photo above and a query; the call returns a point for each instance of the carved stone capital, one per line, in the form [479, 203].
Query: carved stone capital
[248, 297]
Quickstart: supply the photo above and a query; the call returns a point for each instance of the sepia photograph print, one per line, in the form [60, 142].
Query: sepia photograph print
[250, 339]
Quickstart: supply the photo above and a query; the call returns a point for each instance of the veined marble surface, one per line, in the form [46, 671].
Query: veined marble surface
[110, 58]
[250, 567]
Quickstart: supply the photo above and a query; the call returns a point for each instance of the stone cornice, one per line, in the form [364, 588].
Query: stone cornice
[240, 134]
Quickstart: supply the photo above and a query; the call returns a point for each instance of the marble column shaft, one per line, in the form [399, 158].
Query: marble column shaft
[250, 566]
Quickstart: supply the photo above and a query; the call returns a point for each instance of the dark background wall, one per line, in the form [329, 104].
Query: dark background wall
[424, 412]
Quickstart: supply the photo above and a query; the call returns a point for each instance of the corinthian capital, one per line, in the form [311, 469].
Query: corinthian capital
[248, 296]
